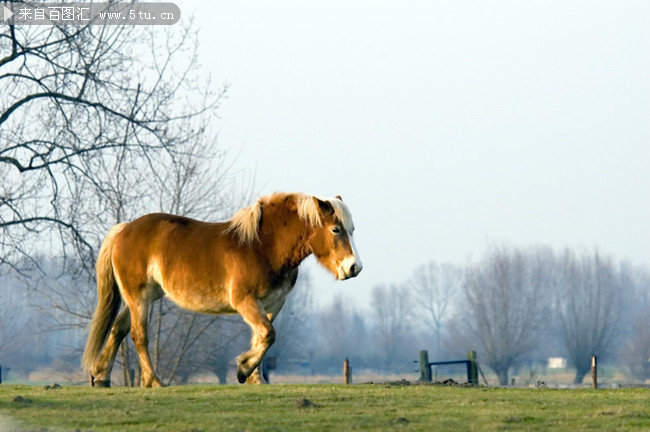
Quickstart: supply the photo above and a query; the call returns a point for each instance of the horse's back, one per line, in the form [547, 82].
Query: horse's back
[161, 234]
[186, 258]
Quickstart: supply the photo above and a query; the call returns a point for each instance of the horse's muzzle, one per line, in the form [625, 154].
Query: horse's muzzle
[355, 269]
[351, 271]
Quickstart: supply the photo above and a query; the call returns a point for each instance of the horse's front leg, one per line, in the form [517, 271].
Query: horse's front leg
[263, 337]
[257, 377]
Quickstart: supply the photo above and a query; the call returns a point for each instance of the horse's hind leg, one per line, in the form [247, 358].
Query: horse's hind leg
[140, 308]
[263, 336]
[101, 372]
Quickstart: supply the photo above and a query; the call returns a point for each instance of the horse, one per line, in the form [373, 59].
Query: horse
[246, 265]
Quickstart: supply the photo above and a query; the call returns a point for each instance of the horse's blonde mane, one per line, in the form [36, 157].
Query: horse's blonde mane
[246, 222]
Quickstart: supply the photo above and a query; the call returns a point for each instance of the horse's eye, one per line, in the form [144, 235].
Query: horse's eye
[336, 229]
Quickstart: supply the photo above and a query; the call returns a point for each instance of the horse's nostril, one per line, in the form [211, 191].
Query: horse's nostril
[353, 269]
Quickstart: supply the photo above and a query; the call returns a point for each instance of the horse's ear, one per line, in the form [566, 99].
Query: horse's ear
[339, 197]
[324, 207]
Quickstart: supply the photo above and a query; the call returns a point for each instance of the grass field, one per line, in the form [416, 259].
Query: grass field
[321, 408]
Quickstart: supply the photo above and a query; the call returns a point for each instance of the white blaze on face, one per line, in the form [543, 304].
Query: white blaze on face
[351, 265]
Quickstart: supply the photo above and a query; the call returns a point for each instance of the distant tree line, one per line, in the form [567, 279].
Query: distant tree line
[516, 307]
[522, 305]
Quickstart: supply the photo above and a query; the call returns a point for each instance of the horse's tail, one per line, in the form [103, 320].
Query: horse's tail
[108, 301]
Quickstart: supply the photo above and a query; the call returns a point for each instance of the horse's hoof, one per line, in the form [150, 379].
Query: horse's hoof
[241, 376]
[102, 383]
[256, 379]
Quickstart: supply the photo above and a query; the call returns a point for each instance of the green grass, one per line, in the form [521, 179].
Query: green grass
[338, 407]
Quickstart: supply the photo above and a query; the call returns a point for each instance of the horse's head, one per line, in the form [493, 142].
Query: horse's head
[332, 241]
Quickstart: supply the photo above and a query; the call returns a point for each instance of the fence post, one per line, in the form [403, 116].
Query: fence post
[594, 372]
[347, 372]
[472, 376]
[425, 369]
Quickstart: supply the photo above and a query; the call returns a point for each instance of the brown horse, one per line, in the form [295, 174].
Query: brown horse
[247, 265]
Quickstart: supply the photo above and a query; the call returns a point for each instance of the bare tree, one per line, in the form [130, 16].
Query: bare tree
[636, 350]
[503, 296]
[393, 313]
[12, 310]
[434, 288]
[80, 108]
[589, 301]
[342, 332]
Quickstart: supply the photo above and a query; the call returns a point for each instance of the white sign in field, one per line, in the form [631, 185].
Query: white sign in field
[556, 363]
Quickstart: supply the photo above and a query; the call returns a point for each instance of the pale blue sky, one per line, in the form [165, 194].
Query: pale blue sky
[445, 125]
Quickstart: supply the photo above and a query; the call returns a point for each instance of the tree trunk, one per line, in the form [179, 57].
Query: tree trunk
[124, 353]
[156, 344]
[580, 374]
[222, 374]
[503, 376]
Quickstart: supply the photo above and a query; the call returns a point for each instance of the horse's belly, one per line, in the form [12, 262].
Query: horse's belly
[193, 295]
[199, 302]
[198, 299]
